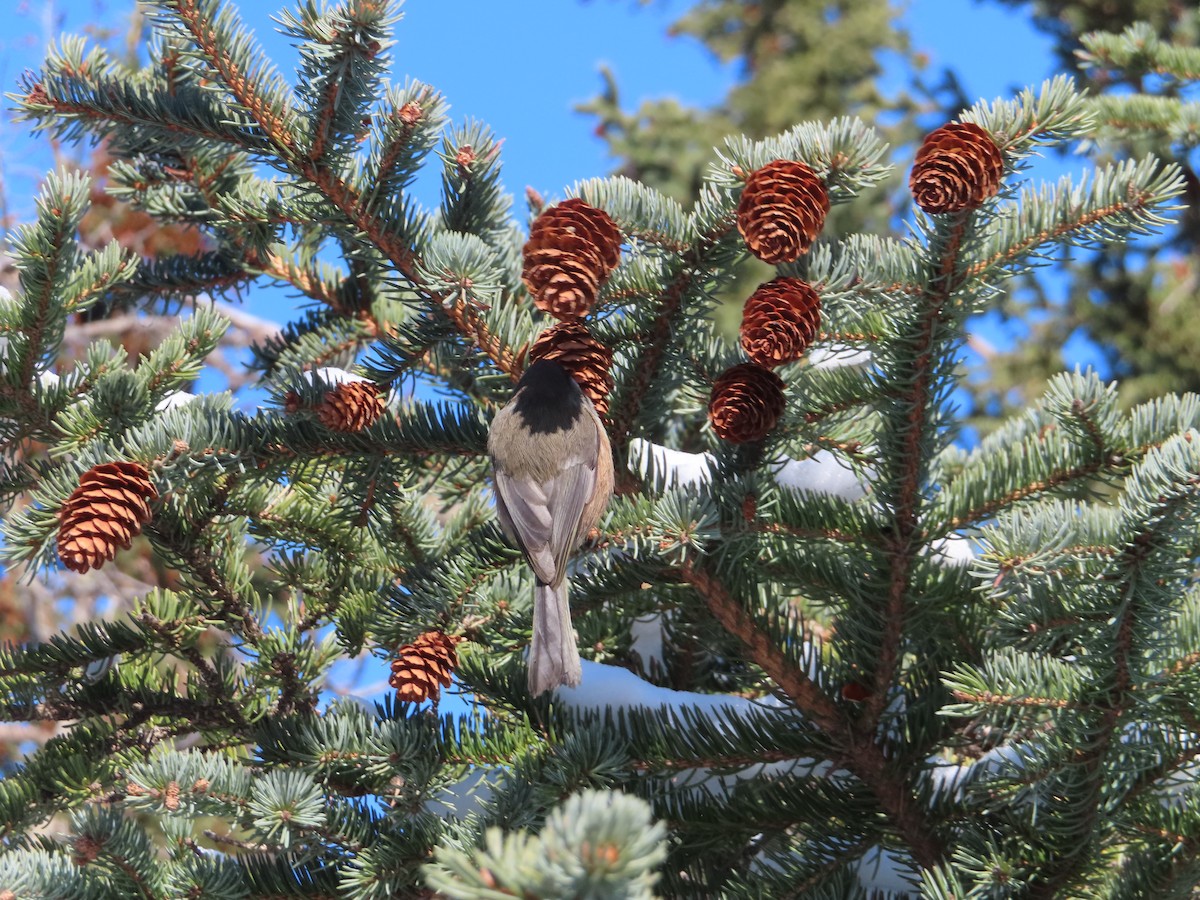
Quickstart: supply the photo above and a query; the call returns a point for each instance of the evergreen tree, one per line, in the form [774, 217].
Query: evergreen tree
[794, 59]
[1129, 303]
[1123, 302]
[863, 659]
[1067, 21]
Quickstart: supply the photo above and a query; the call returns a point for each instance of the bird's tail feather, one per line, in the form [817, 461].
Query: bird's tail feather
[553, 655]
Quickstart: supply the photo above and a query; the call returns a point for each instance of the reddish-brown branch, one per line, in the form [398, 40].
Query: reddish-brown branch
[324, 124]
[861, 754]
[1020, 248]
[793, 680]
[987, 510]
[906, 523]
[341, 195]
[637, 384]
[276, 129]
[1018, 700]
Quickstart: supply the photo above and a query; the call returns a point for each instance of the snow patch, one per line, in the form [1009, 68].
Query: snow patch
[821, 473]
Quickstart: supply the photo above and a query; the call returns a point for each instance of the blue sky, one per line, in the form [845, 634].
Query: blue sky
[522, 68]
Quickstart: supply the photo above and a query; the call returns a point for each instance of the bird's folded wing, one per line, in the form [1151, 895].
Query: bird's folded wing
[569, 493]
[545, 518]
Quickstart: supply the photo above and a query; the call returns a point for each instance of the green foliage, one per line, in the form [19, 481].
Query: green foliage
[1129, 302]
[795, 60]
[1068, 20]
[595, 844]
[844, 702]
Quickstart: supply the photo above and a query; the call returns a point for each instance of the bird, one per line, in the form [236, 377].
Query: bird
[553, 474]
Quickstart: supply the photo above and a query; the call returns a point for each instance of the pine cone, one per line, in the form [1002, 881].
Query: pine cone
[779, 321]
[571, 251]
[421, 669]
[351, 406]
[587, 360]
[745, 404]
[782, 210]
[104, 513]
[958, 167]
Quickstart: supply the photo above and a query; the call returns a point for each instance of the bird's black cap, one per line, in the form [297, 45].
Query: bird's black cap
[548, 399]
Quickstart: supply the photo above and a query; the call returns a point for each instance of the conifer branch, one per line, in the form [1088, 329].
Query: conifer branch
[1092, 758]
[1119, 696]
[229, 606]
[215, 44]
[189, 715]
[994, 506]
[863, 756]
[1138, 51]
[1064, 652]
[279, 129]
[1133, 204]
[917, 397]
[1105, 458]
[654, 346]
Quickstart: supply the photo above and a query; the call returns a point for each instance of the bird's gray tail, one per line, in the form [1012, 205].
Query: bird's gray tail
[553, 655]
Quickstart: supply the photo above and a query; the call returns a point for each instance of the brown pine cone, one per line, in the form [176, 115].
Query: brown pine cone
[563, 284]
[587, 360]
[779, 321]
[745, 404]
[572, 249]
[782, 210]
[104, 514]
[577, 217]
[421, 669]
[351, 406]
[958, 167]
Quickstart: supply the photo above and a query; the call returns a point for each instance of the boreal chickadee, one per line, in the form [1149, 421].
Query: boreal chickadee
[553, 471]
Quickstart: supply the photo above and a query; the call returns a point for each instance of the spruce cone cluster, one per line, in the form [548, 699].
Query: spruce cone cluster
[746, 403]
[779, 321]
[782, 210]
[104, 514]
[957, 168]
[351, 406]
[572, 249]
[421, 669]
[587, 360]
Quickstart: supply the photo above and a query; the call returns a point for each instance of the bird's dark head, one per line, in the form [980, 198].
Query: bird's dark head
[548, 398]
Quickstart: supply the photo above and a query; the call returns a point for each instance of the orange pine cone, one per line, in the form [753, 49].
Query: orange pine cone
[779, 321]
[957, 168]
[746, 403]
[587, 360]
[104, 514]
[572, 249]
[421, 669]
[351, 406]
[782, 210]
